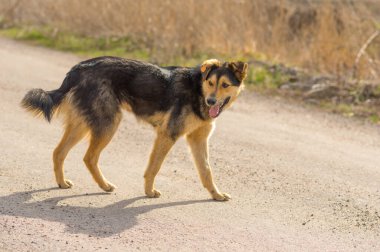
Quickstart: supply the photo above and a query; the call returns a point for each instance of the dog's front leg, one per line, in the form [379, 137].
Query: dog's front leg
[162, 145]
[198, 142]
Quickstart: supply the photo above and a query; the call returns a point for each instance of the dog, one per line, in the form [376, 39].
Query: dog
[176, 101]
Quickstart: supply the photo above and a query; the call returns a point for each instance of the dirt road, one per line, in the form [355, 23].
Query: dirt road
[300, 180]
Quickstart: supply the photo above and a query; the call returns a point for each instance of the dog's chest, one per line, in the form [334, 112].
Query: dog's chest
[174, 124]
[191, 123]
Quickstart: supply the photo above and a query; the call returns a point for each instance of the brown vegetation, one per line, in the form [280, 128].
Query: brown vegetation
[321, 36]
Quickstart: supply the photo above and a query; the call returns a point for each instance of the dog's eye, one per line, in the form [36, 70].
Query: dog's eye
[225, 85]
[210, 83]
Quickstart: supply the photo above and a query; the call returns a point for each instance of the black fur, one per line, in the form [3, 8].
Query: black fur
[39, 101]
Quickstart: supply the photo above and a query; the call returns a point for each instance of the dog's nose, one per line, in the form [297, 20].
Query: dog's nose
[211, 101]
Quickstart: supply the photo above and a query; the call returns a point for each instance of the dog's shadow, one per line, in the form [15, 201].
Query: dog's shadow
[95, 221]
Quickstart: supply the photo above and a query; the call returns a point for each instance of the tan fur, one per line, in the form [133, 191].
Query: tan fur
[240, 70]
[163, 144]
[157, 120]
[198, 142]
[97, 144]
[197, 132]
[126, 106]
[161, 147]
[192, 122]
[220, 92]
[208, 63]
[75, 130]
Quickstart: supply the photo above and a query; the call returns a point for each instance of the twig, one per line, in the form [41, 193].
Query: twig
[371, 69]
[362, 51]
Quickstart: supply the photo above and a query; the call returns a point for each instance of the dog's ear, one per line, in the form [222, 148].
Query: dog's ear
[207, 66]
[240, 69]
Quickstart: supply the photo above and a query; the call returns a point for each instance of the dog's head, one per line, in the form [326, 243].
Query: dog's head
[222, 83]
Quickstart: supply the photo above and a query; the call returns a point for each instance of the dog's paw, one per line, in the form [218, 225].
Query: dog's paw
[153, 194]
[109, 187]
[221, 197]
[65, 184]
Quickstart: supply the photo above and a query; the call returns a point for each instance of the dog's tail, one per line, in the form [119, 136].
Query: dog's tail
[41, 102]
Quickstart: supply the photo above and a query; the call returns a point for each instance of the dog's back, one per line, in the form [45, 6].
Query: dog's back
[99, 86]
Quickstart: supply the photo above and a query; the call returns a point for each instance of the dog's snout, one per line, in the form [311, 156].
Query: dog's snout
[211, 101]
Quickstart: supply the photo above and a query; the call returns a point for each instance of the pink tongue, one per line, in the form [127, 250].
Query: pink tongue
[214, 111]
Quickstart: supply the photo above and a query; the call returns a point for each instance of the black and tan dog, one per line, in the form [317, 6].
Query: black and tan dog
[176, 101]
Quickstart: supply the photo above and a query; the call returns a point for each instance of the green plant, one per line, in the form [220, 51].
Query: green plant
[83, 45]
[374, 118]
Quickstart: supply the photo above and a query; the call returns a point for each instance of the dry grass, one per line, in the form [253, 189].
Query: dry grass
[321, 36]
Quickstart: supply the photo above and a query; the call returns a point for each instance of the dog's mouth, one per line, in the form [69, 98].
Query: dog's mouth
[215, 110]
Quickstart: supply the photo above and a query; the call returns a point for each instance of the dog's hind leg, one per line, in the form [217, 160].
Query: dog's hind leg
[198, 142]
[73, 134]
[98, 142]
[161, 147]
